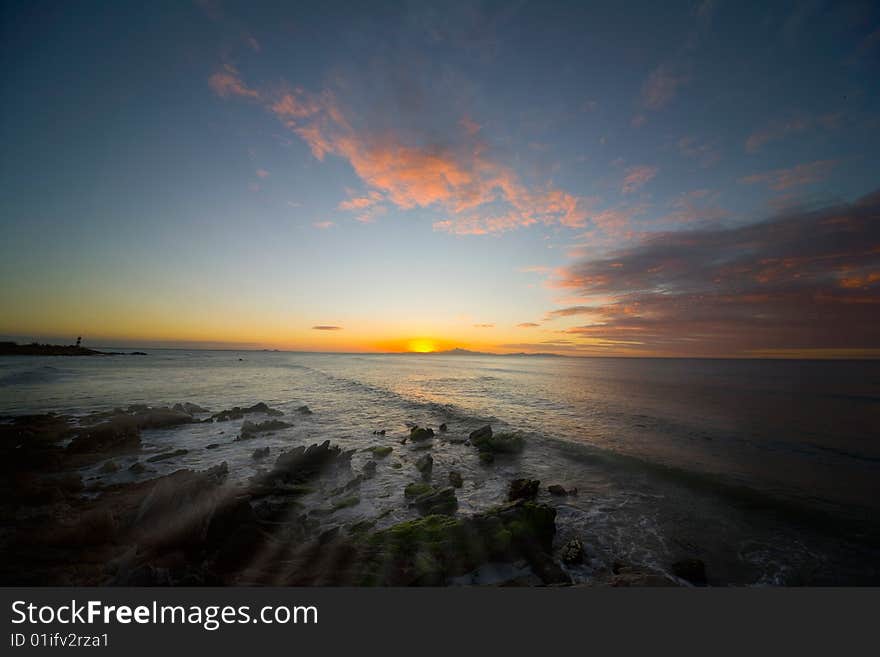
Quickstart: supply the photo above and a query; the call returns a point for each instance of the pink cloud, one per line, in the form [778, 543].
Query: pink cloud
[460, 179]
[227, 82]
[262, 173]
[323, 225]
[802, 174]
[661, 86]
[637, 177]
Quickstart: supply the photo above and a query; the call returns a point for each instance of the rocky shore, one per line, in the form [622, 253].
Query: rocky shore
[36, 349]
[197, 527]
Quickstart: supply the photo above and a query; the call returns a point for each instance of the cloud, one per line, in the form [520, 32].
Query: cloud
[479, 194]
[227, 82]
[636, 177]
[791, 284]
[781, 129]
[484, 326]
[325, 327]
[262, 173]
[323, 225]
[705, 153]
[570, 311]
[527, 325]
[661, 86]
[693, 206]
[802, 174]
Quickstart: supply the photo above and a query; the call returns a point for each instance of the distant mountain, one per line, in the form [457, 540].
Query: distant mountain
[468, 352]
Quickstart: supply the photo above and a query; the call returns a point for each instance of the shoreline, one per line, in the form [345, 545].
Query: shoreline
[194, 527]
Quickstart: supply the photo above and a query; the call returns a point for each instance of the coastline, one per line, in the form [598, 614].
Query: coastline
[193, 527]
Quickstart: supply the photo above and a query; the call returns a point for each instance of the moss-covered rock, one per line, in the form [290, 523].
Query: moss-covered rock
[380, 452]
[415, 489]
[420, 433]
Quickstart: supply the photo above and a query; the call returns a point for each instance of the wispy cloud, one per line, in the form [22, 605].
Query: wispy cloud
[802, 174]
[636, 178]
[661, 86]
[781, 129]
[484, 326]
[262, 173]
[323, 225]
[479, 194]
[527, 325]
[326, 327]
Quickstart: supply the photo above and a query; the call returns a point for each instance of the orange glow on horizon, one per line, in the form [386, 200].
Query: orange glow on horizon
[421, 345]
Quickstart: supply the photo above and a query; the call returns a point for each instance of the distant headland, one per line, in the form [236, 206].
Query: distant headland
[37, 349]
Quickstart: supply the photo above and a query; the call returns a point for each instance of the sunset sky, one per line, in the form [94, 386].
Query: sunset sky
[678, 178]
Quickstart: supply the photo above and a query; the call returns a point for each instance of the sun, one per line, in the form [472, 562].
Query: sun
[421, 346]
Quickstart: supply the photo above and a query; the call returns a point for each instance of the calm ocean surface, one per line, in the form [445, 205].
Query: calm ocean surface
[767, 470]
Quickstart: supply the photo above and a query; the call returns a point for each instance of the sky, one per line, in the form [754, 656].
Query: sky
[584, 178]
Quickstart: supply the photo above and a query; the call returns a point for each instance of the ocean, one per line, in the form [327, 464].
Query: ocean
[767, 470]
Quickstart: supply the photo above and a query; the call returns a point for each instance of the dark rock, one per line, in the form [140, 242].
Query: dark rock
[455, 479]
[369, 469]
[487, 458]
[523, 489]
[481, 434]
[443, 427]
[572, 552]
[296, 466]
[237, 412]
[415, 489]
[167, 455]
[380, 452]
[260, 453]
[420, 433]
[250, 429]
[425, 464]
[137, 467]
[109, 467]
[556, 489]
[212, 446]
[441, 502]
[691, 570]
[380, 432]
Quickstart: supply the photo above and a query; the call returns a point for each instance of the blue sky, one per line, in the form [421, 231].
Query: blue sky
[243, 172]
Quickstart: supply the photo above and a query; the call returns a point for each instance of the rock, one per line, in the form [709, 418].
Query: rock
[435, 548]
[380, 432]
[109, 467]
[415, 489]
[137, 467]
[304, 410]
[455, 479]
[572, 552]
[441, 502]
[296, 466]
[260, 453]
[481, 434]
[369, 469]
[237, 412]
[380, 452]
[250, 430]
[425, 464]
[346, 502]
[191, 409]
[487, 458]
[523, 489]
[556, 489]
[500, 443]
[167, 455]
[420, 433]
[691, 570]
[212, 446]
[443, 427]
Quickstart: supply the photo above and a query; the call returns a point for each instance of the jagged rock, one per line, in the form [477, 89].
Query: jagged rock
[260, 453]
[572, 552]
[250, 429]
[369, 469]
[455, 479]
[304, 410]
[692, 570]
[481, 434]
[167, 455]
[296, 466]
[415, 489]
[425, 464]
[237, 412]
[420, 433]
[441, 502]
[523, 489]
